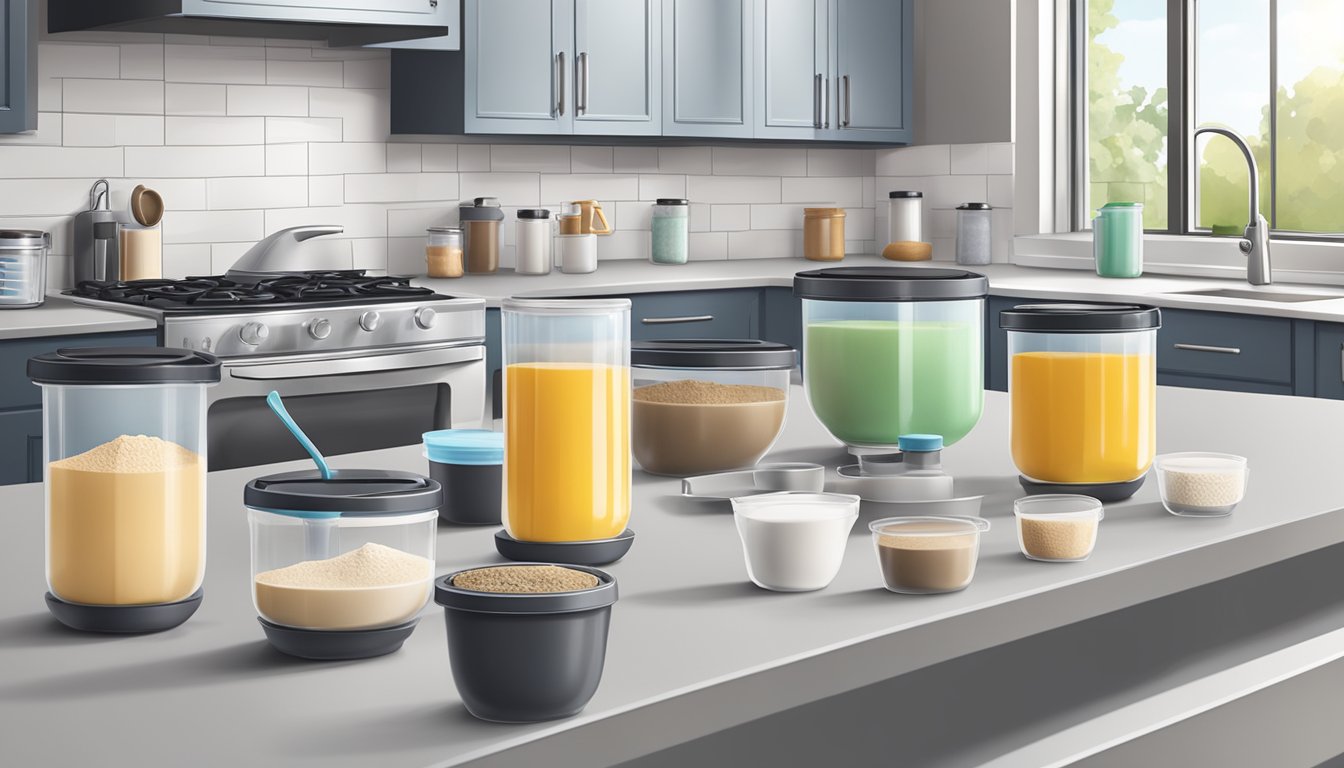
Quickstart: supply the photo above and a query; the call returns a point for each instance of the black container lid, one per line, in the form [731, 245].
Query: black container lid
[1080, 318]
[533, 213]
[124, 365]
[350, 493]
[601, 596]
[673, 201]
[904, 193]
[974, 207]
[734, 354]
[889, 284]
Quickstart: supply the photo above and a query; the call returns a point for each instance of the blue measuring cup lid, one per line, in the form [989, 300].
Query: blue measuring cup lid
[465, 446]
[920, 442]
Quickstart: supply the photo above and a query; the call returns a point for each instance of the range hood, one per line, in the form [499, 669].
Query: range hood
[338, 22]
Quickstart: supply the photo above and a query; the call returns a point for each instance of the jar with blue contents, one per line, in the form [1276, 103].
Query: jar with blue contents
[671, 230]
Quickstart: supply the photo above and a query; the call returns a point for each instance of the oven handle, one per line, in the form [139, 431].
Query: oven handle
[343, 366]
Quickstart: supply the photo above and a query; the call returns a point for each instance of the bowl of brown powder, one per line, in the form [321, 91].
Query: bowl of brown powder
[527, 641]
[1057, 527]
[929, 554]
[702, 406]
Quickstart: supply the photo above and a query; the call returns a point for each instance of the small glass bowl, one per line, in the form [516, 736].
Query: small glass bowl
[929, 554]
[1057, 527]
[1201, 484]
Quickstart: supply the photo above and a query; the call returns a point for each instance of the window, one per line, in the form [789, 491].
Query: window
[1147, 72]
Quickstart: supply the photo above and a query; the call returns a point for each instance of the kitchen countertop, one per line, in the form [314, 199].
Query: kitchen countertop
[59, 316]
[694, 647]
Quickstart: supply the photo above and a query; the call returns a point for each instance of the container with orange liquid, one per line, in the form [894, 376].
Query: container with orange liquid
[1082, 379]
[566, 424]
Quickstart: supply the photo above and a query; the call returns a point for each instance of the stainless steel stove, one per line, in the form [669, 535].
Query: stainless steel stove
[363, 362]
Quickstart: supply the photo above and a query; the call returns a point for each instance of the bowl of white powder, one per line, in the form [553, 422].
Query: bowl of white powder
[1201, 484]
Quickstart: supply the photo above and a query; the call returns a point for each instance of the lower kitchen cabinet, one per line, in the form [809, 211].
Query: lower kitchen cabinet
[727, 314]
[1329, 354]
[21, 447]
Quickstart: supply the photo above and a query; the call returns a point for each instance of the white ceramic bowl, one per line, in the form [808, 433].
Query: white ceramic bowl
[794, 542]
[1201, 484]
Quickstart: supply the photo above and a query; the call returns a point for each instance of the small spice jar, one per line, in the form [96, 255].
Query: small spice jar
[973, 234]
[1057, 527]
[443, 252]
[671, 229]
[824, 234]
[532, 244]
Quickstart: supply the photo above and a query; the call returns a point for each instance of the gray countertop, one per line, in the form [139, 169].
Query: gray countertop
[60, 316]
[694, 647]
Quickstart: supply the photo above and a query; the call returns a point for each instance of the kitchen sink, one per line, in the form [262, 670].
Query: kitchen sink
[1279, 296]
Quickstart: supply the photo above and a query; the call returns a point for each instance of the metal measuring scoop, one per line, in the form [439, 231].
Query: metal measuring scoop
[765, 478]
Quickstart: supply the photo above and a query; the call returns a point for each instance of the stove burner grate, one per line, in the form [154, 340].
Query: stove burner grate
[221, 293]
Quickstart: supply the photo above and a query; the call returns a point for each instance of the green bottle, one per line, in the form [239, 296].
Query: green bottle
[1117, 240]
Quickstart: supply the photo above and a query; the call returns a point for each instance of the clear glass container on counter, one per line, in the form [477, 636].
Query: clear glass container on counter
[824, 234]
[23, 267]
[480, 225]
[905, 216]
[566, 418]
[671, 228]
[891, 351]
[125, 448]
[704, 406]
[443, 252]
[1082, 380]
[974, 227]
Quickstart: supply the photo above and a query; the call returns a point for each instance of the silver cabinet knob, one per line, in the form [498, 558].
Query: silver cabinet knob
[368, 321]
[424, 317]
[254, 333]
[319, 329]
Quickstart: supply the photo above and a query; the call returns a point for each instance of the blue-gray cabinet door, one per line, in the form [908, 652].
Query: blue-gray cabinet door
[18, 87]
[874, 60]
[21, 447]
[518, 65]
[792, 97]
[617, 67]
[707, 66]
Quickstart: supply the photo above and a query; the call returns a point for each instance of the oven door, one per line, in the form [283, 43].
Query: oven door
[355, 401]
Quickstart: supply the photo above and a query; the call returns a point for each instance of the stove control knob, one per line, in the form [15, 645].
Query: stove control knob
[368, 321]
[424, 317]
[319, 329]
[254, 333]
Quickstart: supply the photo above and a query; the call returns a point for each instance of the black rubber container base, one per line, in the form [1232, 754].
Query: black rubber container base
[123, 619]
[597, 552]
[337, 645]
[1105, 492]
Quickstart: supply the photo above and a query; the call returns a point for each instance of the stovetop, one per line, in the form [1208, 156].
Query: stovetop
[199, 295]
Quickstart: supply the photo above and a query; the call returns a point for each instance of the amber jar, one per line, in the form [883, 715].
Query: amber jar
[824, 234]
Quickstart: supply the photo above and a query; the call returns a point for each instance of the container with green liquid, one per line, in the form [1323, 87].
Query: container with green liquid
[889, 351]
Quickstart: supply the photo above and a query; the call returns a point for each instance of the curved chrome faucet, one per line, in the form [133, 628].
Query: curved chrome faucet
[1255, 240]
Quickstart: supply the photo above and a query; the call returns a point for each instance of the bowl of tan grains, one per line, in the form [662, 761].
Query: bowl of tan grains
[1057, 527]
[1201, 484]
[929, 554]
[702, 406]
[526, 641]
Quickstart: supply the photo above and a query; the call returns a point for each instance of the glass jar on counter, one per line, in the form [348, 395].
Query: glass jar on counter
[973, 234]
[671, 226]
[443, 252]
[532, 242]
[824, 234]
[480, 225]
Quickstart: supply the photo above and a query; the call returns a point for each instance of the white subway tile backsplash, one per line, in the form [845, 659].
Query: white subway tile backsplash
[251, 192]
[406, 255]
[1001, 234]
[214, 64]
[186, 259]
[276, 53]
[364, 157]
[632, 214]
[412, 222]
[859, 225]
[589, 186]
[322, 73]
[48, 132]
[512, 189]
[142, 61]
[654, 186]
[634, 160]
[624, 244]
[269, 101]
[1000, 194]
[359, 220]
[999, 158]
[590, 159]
[707, 246]
[178, 194]
[700, 213]
[29, 162]
[783, 216]
[49, 94]
[196, 131]
[537, 158]
[403, 158]
[752, 161]
[765, 244]
[733, 189]
[291, 130]
[86, 130]
[366, 112]
[45, 197]
[121, 97]
[951, 191]
[326, 190]
[840, 162]
[688, 160]
[729, 218]
[194, 99]
[439, 157]
[75, 60]
[224, 255]
[212, 226]
[927, 160]
[369, 253]
[191, 162]
[473, 157]
[286, 159]
[368, 73]
[400, 187]
[839, 191]
[942, 223]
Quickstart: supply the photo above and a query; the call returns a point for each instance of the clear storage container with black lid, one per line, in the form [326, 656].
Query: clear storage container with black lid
[341, 568]
[706, 405]
[125, 460]
[891, 351]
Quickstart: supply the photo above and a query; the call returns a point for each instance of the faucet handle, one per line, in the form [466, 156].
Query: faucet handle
[1245, 246]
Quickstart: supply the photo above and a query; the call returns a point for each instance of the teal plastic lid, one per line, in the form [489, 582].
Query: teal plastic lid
[920, 442]
[1121, 205]
[476, 447]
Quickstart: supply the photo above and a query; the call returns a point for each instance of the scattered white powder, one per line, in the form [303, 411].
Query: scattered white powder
[130, 454]
[372, 565]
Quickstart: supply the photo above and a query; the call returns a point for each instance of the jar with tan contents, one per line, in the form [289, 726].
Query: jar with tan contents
[443, 252]
[824, 234]
[704, 406]
[125, 447]
[480, 225]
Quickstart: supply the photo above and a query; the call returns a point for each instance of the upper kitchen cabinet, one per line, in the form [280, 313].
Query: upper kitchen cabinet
[835, 70]
[707, 65]
[338, 22]
[538, 67]
[18, 100]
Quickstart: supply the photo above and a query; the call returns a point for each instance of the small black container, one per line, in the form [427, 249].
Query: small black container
[524, 658]
[469, 464]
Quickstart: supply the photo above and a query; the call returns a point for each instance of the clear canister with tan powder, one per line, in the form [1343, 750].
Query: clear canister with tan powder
[125, 450]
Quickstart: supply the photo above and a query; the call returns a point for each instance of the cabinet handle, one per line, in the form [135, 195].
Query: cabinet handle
[672, 320]
[1205, 348]
[826, 102]
[844, 81]
[560, 79]
[581, 100]
[816, 100]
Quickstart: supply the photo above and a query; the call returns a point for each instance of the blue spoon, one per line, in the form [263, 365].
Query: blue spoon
[278, 406]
